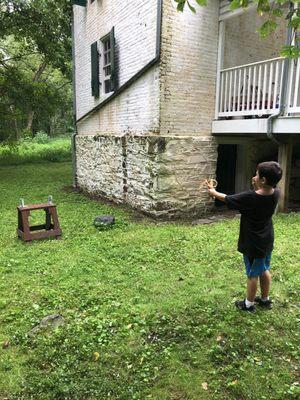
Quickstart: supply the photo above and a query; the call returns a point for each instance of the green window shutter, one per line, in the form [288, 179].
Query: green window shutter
[113, 75]
[95, 82]
[80, 3]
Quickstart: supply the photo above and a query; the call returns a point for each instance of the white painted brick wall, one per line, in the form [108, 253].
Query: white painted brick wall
[179, 98]
[136, 110]
[243, 44]
[135, 33]
[188, 69]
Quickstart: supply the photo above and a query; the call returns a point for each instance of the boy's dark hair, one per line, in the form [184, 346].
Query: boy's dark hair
[271, 171]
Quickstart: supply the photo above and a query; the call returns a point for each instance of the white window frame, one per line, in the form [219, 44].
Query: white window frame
[104, 65]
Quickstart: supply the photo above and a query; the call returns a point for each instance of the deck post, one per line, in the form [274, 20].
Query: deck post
[284, 159]
[220, 62]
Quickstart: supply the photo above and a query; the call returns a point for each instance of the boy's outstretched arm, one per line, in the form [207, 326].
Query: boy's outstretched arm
[217, 195]
[213, 193]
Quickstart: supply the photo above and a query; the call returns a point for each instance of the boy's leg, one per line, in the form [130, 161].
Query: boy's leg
[265, 283]
[248, 303]
[251, 288]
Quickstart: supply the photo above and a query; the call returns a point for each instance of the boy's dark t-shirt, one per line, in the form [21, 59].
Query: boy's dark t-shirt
[256, 227]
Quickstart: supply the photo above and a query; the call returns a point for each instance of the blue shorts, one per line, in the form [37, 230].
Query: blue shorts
[257, 266]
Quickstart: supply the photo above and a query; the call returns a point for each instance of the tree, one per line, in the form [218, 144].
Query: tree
[46, 26]
[35, 64]
[274, 11]
[32, 93]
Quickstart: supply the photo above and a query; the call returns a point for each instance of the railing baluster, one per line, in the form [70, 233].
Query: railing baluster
[234, 92]
[259, 88]
[296, 94]
[270, 85]
[264, 87]
[276, 95]
[244, 90]
[239, 90]
[249, 87]
[221, 92]
[230, 91]
[290, 83]
[253, 88]
[226, 93]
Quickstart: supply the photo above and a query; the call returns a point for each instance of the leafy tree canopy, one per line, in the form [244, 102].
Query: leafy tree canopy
[35, 66]
[43, 24]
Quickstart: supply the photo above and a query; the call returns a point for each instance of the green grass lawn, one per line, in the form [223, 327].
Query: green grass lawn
[148, 307]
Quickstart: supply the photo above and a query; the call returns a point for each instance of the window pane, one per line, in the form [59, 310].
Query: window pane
[107, 86]
[107, 70]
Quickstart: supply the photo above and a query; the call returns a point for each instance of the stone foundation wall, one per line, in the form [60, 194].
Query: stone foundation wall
[157, 175]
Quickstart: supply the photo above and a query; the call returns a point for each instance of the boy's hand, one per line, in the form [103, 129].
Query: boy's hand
[212, 192]
[211, 183]
[210, 187]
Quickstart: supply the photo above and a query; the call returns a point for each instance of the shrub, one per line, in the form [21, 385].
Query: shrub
[41, 137]
[26, 135]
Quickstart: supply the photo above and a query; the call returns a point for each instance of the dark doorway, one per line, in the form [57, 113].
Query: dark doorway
[226, 169]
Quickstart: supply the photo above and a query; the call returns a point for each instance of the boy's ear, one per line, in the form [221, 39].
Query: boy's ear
[263, 181]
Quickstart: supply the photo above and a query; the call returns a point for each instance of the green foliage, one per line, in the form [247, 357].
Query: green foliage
[267, 28]
[26, 135]
[181, 4]
[44, 24]
[31, 151]
[35, 67]
[41, 137]
[290, 52]
[148, 307]
[239, 3]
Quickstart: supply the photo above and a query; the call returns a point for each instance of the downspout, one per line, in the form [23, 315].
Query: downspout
[284, 81]
[74, 164]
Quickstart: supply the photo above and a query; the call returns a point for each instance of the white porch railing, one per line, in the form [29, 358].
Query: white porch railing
[254, 89]
[293, 93]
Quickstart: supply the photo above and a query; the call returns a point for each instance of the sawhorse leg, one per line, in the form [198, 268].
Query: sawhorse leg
[56, 226]
[25, 223]
[48, 220]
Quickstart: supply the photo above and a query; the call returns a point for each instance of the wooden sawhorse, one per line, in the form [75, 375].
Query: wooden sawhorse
[51, 227]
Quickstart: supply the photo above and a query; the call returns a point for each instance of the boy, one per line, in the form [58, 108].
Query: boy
[256, 230]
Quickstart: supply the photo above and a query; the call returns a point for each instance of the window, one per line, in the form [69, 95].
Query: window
[103, 66]
[107, 64]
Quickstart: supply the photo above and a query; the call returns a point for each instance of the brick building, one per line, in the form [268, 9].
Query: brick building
[164, 100]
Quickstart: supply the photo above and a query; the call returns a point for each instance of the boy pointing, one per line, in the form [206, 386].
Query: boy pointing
[256, 230]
